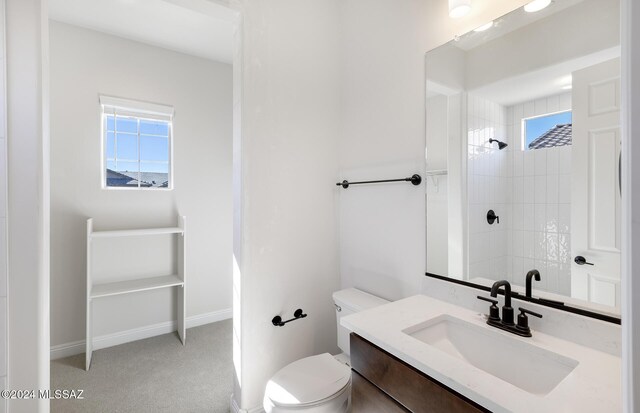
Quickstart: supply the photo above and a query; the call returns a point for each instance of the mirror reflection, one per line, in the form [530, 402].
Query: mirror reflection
[523, 151]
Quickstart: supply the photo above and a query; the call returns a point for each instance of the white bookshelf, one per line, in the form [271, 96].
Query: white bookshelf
[96, 290]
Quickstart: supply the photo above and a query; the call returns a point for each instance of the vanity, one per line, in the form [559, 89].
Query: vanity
[381, 383]
[421, 354]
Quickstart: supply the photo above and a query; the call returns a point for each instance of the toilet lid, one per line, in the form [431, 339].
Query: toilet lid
[308, 380]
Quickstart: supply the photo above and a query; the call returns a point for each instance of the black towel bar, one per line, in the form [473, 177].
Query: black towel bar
[414, 179]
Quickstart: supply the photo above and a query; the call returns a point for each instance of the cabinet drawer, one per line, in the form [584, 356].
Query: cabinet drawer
[367, 398]
[411, 388]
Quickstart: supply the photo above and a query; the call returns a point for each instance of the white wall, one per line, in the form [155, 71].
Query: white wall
[3, 211]
[84, 64]
[631, 205]
[28, 201]
[286, 213]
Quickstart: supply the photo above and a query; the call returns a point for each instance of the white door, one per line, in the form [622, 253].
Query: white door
[595, 196]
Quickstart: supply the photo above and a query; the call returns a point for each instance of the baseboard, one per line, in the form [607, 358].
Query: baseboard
[236, 409]
[121, 337]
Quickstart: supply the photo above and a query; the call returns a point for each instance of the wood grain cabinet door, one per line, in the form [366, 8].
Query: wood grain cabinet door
[367, 398]
[408, 387]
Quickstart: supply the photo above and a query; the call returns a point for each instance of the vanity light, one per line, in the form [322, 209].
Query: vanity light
[536, 5]
[459, 8]
[484, 27]
[567, 87]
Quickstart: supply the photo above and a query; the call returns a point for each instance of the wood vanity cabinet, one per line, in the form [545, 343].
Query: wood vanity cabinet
[381, 383]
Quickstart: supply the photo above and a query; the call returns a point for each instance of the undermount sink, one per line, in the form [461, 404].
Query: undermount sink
[524, 365]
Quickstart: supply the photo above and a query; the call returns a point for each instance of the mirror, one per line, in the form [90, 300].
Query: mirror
[523, 151]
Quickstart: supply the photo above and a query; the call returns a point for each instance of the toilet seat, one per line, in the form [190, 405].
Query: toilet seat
[308, 381]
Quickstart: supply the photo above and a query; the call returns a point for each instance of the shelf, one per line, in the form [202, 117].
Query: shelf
[131, 286]
[136, 232]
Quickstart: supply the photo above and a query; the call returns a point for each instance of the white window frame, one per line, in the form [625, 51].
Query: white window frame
[142, 110]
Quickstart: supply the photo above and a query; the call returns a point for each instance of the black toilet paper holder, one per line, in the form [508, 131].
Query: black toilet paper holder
[277, 320]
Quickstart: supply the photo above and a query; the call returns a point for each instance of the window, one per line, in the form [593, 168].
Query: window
[136, 142]
[547, 131]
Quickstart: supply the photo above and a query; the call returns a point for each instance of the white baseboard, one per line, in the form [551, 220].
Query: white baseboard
[236, 409]
[121, 337]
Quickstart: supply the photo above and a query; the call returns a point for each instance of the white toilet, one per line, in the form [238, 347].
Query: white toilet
[322, 383]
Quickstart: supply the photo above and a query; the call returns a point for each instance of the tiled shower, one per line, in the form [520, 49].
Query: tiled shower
[528, 189]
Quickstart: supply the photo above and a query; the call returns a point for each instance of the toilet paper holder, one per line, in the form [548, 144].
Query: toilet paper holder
[298, 314]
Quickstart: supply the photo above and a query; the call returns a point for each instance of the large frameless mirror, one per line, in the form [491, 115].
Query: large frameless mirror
[523, 152]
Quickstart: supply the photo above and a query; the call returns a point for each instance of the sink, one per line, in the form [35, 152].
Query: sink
[511, 359]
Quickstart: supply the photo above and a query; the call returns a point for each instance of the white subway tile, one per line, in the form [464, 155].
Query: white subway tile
[565, 101]
[528, 217]
[540, 217]
[564, 279]
[564, 248]
[529, 163]
[528, 110]
[517, 221]
[564, 189]
[564, 218]
[518, 162]
[517, 270]
[518, 190]
[540, 189]
[540, 160]
[552, 161]
[552, 276]
[541, 266]
[528, 264]
[564, 160]
[552, 218]
[552, 247]
[540, 245]
[540, 106]
[518, 243]
[552, 189]
[528, 244]
[553, 103]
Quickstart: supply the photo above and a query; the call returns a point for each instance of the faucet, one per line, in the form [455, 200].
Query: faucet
[506, 323]
[536, 274]
[531, 274]
[507, 310]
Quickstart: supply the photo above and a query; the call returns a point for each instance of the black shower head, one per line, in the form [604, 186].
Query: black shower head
[501, 145]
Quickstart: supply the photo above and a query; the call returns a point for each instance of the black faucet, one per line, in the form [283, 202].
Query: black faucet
[530, 275]
[506, 323]
[536, 274]
[507, 310]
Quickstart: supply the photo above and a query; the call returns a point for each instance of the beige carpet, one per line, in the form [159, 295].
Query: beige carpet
[152, 375]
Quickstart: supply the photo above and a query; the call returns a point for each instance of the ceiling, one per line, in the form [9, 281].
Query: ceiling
[202, 28]
[547, 81]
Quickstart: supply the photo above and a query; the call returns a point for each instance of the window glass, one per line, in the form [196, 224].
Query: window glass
[137, 152]
[548, 131]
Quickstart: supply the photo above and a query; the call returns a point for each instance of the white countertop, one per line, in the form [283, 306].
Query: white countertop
[593, 386]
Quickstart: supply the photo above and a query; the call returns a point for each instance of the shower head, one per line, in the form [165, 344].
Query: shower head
[501, 145]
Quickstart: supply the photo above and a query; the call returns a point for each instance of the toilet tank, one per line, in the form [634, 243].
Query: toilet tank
[349, 301]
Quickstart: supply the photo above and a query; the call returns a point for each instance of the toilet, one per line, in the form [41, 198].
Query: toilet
[321, 383]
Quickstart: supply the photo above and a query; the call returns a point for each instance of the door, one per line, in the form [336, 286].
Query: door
[595, 197]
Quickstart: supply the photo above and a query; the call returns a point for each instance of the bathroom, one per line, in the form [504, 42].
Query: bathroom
[338, 90]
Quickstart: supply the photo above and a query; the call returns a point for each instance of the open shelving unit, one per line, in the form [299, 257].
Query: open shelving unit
[106, 289]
